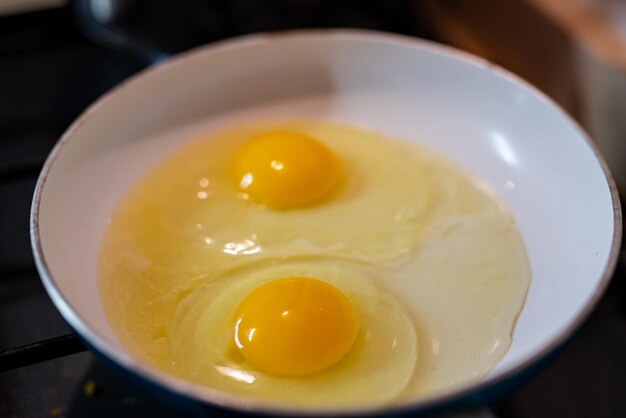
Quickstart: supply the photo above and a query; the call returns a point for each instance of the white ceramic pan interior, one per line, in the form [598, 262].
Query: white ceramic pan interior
[487, 120]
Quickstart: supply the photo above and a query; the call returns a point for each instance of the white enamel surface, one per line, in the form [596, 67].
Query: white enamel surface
[516, 141]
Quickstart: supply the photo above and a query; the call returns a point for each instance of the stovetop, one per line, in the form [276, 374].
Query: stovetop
[49, 72]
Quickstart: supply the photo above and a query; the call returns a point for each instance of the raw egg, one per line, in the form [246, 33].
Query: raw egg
[316, 264]
[348, 341]
[196, 195]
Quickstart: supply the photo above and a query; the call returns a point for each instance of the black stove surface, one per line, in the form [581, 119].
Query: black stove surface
[49, 72]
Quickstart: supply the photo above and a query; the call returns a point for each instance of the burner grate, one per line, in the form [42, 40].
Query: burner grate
[40, 351]
[24, 167]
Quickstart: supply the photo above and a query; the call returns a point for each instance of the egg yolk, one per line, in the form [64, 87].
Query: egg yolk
[285, 170]
[295, 326]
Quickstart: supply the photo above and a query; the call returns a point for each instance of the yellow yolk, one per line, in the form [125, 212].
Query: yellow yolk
[285, 170]
[295, 326]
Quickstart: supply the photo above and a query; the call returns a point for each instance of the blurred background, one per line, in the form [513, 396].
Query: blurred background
[57, 56]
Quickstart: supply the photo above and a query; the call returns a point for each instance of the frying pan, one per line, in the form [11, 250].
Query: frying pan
[497, 126]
